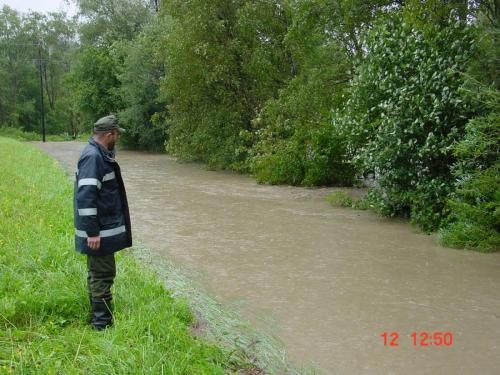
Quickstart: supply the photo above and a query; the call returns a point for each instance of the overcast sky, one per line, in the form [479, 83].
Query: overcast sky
[41, 6]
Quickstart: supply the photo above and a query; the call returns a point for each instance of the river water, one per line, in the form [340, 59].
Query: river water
[327, 281]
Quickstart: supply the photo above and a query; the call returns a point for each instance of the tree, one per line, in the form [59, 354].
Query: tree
[107, 21]
[96, 82]
[144, 111]
[94, 78]
[19, 84]
[222, 61]
[21, 38]
[405, 112]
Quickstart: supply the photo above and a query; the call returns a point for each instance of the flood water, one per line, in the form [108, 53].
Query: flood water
[327, 281]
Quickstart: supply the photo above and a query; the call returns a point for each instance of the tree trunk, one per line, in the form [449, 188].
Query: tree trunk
[47, 90]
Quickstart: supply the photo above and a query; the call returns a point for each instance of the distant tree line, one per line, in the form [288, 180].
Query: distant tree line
[31, 44]
[301, 92]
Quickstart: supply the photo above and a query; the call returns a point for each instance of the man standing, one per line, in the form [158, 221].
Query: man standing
[102, 220]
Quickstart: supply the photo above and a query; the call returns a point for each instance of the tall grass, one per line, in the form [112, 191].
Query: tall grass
[43, 297]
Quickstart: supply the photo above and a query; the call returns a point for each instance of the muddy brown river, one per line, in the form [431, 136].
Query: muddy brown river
[326, 281]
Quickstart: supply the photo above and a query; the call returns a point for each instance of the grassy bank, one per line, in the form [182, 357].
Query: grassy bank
[43, 298]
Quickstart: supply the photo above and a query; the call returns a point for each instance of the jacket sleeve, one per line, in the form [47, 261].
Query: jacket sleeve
[89, 182]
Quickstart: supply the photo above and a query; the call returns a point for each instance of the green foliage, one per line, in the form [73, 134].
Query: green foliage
[108, 21]
[144, 109]
[260, 29]
[342, 199]
[217, 58]
[474, 222]
[405, 112]
[484, 67]
[43, 297]
[308, 157]
[22, 35]
[18, 77]
[20, 135]
[96, 83]
[296, 142]
[106, 28]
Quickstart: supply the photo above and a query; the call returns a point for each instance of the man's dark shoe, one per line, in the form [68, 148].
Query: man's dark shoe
[102, 316]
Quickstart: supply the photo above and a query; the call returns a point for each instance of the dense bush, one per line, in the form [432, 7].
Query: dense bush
[405, 113]
[311, 155]
[474, 222]
[296, 142]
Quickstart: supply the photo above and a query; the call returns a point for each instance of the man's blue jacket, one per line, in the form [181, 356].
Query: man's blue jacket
[100, 202]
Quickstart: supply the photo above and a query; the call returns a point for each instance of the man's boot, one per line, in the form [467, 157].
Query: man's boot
[102, 316]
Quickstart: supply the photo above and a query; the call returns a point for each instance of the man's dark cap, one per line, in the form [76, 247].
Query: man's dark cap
[107, 123]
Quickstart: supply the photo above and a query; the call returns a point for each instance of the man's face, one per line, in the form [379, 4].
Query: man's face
[111, 139]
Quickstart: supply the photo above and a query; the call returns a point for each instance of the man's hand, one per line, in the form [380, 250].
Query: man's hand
[94, 242]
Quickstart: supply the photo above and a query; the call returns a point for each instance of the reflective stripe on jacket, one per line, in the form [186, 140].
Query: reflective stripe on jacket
[100, 202]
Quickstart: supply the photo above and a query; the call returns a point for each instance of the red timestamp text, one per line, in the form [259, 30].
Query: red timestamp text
[419, 339]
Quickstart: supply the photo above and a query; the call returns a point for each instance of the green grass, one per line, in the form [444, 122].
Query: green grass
[43, 297]
[342, 199]
[21, 135]
[470, 236]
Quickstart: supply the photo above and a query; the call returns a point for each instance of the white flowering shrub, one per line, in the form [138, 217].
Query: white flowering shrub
[405, 113]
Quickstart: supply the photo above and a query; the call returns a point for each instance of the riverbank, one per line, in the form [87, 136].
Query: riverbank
[43, 309]
[325, 280]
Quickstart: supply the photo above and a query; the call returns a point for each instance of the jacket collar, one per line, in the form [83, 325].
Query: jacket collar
[109, 155]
